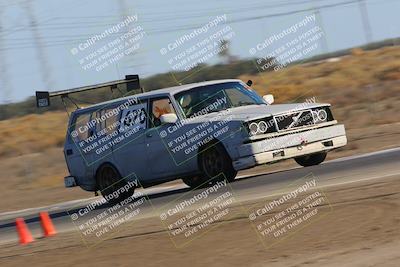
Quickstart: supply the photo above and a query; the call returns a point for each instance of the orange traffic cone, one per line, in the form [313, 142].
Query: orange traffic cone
[47, 225]
[25, 236]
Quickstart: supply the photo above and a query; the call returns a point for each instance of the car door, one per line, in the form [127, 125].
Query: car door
[161, 161]
[128, 146]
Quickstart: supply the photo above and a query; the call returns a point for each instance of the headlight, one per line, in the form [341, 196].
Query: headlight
[253, 127]
[322, 115]
[261, 127]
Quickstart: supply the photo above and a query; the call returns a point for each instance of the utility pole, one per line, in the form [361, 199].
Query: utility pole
[124, 11]
[365, 20]
[324, 41]
[5, 83]
[45, 68]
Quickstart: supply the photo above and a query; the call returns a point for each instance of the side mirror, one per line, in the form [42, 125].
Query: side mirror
[269, 99]
[249, 82]
[169, 118]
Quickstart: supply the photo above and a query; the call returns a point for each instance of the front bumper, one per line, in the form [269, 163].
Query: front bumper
[290, 145]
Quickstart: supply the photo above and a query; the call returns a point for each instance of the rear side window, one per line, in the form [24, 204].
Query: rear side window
[108, 122]
[81, 128]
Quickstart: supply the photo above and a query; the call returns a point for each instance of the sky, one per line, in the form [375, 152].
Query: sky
[42, 42]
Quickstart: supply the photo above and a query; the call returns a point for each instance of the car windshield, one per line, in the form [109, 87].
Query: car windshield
[216, 97]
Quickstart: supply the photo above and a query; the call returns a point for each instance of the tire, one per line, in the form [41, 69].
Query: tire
[311, 160]
[216, 165]
[194, 181]
[109, 181]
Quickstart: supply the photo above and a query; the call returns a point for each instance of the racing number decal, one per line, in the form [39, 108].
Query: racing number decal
[133, 117]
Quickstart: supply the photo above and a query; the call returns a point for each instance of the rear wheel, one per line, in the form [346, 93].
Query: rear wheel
[311, 160]
[110, 184]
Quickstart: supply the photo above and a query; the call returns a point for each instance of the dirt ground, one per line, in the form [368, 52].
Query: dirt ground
[361, 229]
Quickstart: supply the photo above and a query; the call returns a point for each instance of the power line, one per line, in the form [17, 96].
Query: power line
[22, 28]
[187, 15]
[156, 31]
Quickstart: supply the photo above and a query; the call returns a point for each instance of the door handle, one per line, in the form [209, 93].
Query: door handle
[149, 134]
[69, 152]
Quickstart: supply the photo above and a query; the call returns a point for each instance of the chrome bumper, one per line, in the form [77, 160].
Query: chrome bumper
[290, 145]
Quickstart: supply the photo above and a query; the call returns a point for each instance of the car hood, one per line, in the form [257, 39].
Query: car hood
[252, 112]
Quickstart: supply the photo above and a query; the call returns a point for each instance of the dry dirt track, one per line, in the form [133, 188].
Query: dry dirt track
[360, 229]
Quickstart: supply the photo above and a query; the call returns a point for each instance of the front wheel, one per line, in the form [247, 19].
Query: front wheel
[194, 181]
[311, 160]
[215, 165]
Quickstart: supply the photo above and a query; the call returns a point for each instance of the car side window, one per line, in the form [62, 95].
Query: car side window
[80, 127]
[111, 122]
[134, 118]
[158, 107]
[100, 124]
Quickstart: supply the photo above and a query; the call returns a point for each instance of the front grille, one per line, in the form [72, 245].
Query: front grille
[294, 120]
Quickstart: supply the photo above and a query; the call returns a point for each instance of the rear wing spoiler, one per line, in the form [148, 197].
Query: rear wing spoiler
[43, 97]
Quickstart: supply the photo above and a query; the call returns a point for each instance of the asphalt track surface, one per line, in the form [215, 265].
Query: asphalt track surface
[349, 170]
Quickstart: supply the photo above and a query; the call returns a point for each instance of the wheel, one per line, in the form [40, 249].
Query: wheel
[109, 181]
[194, 181]
[311, 160]
[216, 164]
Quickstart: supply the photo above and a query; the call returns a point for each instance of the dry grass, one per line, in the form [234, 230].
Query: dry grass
[32, 133]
